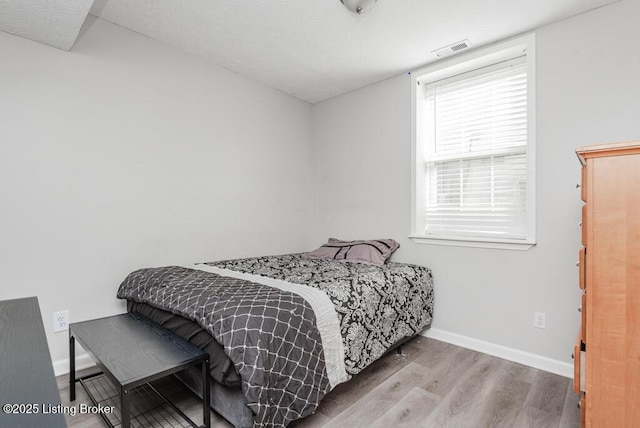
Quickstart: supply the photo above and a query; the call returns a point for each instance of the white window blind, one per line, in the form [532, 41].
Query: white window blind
[475, 152]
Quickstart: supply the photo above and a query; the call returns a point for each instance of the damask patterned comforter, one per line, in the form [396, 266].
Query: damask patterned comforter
[277, 333]
[377, 305]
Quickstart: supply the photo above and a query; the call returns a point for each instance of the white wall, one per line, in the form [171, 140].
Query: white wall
[125, 153]
[588, 92]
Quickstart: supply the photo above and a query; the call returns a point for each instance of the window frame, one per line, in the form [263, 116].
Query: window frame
[464, 63]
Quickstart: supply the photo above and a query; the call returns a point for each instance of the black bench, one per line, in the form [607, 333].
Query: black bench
[133, 351]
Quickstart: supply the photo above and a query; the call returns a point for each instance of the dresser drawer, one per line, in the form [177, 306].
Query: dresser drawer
[582, 268]
[583, 223]
[579, 365]
[583, 187]
[583, 313]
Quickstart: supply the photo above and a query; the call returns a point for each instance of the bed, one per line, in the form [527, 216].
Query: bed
[284, 330]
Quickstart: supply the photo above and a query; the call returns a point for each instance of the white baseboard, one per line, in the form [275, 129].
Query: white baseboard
[61, 367]
[83, 361]
[515, 355]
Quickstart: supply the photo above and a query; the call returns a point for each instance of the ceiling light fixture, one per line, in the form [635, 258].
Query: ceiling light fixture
[358, 6]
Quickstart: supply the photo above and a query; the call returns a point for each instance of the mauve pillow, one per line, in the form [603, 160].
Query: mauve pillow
[374, 252]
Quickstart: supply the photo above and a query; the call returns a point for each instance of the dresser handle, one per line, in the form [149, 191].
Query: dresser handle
[578, 186]
[572, 356]
[578, 263]
[579, 308]
[580, 223]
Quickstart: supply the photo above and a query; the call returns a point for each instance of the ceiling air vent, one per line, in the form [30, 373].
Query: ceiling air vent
[451, 49]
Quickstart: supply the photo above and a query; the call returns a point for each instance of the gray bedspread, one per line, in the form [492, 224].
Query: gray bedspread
[270, 335]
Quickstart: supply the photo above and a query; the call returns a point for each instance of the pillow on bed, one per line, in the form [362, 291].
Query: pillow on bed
[374, 252]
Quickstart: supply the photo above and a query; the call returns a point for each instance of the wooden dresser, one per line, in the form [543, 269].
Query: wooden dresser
[607, 350]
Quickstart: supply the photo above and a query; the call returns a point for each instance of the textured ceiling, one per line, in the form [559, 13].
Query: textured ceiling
[52, 22]
[311, 49]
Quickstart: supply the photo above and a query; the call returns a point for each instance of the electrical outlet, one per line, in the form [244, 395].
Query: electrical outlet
[539, 320]
[60, 321]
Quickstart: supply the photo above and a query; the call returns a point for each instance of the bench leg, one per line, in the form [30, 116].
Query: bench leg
[72, 368]
[206, 409]
[125, 414]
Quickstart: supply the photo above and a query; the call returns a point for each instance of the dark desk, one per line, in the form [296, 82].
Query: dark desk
[27, 380]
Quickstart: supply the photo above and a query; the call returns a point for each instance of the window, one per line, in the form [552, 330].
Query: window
[473, 172]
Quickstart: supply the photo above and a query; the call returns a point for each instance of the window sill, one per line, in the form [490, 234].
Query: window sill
[475, 243]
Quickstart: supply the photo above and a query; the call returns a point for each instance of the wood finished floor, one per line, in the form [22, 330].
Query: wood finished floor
[431, 384]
